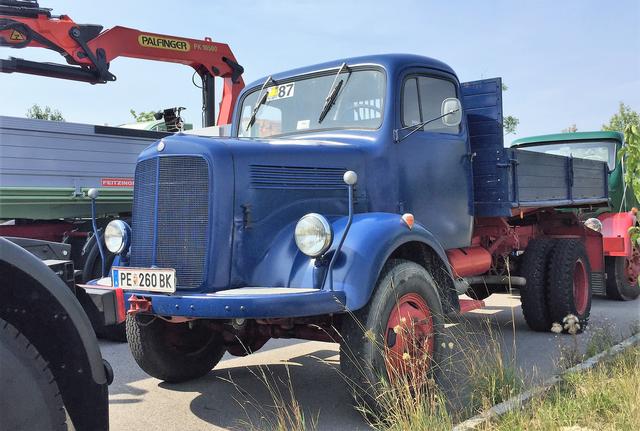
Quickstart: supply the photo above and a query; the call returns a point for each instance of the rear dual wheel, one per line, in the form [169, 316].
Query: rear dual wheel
[558, 283]
[569, 287]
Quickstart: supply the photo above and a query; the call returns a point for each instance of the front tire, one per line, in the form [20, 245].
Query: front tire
[622, 277]
[403, 317]
[29, 398]
[172, 352]
[569, 288]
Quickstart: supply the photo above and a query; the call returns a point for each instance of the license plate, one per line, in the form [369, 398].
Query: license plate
[150, 279]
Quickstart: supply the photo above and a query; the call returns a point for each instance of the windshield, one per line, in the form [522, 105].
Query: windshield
[604, 151]
[295, 106]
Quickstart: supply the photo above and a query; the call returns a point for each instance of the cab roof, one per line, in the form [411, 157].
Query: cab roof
[570, 136]
[386, 61]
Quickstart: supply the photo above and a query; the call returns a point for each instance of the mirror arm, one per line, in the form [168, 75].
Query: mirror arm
[416, 127]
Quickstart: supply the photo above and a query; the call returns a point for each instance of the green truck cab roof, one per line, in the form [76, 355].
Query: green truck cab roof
[570, 136]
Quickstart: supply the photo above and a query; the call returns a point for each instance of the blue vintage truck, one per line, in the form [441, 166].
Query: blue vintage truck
[359, 196]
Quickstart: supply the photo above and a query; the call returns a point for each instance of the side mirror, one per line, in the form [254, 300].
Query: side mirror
[451, 112]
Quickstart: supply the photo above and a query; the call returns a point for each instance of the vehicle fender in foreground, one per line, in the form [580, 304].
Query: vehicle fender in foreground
[44, 309]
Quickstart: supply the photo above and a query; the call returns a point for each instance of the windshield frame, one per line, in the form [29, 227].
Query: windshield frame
[610, 166]
[314, 74]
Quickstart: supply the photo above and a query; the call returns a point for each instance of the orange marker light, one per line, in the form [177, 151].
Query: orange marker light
[408, 219]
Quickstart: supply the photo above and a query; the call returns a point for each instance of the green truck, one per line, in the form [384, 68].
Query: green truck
[622, 255]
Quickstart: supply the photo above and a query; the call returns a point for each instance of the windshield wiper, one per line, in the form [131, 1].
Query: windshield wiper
[418, 126]
[330, 100]
[262, 98]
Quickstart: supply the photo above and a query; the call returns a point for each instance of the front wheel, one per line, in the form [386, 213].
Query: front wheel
[173, 352]
[397, 335]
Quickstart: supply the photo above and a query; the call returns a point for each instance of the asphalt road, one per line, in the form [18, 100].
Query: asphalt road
[237, 392]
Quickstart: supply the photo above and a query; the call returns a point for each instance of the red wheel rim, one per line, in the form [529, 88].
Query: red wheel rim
[632, 267]
[409, 339]
[580, 287]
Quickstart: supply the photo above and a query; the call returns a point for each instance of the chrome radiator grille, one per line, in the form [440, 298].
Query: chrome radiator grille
[171, 216]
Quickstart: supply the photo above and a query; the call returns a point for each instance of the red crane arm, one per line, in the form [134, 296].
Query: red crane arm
[89, 51]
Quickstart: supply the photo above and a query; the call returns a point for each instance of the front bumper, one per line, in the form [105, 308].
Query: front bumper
[245, 302]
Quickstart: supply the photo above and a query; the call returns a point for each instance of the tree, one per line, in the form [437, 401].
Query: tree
[509, 124]
[571, 129]
[631, 154]
[627, 121]
[620, 120]
[45, 113]
[143, 116]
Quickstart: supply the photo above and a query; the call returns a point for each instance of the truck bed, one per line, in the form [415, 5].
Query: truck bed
[505, 179]
[46, 167]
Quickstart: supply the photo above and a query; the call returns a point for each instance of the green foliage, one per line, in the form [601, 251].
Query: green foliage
[627, 121]
[602, 338]
[631, 154]
[142, 116]
[604, 398]
[509, 124]
[623, 118]
[39, 113]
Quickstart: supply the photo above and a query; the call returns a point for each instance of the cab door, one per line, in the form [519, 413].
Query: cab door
[435, 178]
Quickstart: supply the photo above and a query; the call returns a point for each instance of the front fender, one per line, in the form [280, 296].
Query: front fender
[615, 233]
[371, 240]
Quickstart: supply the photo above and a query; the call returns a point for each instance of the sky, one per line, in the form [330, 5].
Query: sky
[564, 62]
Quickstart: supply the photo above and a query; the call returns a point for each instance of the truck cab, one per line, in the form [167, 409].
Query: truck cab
[357, 195]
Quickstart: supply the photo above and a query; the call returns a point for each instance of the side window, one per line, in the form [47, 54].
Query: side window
[426, 102]
[410, 105]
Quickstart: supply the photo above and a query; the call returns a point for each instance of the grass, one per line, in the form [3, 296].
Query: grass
[284, 413]
[486, 375]
[403, 406]
[603, 398]
[492, 379]
[607, 395]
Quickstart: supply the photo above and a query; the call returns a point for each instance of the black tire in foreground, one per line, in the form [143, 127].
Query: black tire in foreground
[569, 288]
[533, 295]
[620, 285]
[173, 352]
[375, 338]
[29, 395]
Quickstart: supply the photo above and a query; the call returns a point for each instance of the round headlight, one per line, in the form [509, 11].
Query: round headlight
[313, 234]
[116, 236]
[593, 224]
